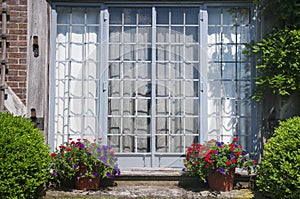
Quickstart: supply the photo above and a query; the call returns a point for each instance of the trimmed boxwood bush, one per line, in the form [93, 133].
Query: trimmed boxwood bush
[24, 158]
[279, 173]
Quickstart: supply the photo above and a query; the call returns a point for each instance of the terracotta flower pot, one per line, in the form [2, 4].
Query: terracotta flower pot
[220, 182]
[86, 183]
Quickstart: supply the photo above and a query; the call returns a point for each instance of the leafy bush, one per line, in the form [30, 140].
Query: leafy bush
[279, 63]
[279, 176]
[24, 158]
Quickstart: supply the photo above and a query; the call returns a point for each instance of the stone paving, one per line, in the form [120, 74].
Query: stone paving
[169, 191]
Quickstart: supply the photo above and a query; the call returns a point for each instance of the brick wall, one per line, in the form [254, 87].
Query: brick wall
[17, 50]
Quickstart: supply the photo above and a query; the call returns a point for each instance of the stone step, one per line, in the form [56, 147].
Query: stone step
[173, 176]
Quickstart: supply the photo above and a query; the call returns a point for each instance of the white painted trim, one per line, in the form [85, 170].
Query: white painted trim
[13, 103]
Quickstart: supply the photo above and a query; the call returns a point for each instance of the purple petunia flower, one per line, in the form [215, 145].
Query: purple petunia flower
[54, 173]
[95, 173]
[89, 154]
[99, 150]
[220, 144]
[109, 175]
[244, 153]
[221, 170]
[231, 156]
[75, 166]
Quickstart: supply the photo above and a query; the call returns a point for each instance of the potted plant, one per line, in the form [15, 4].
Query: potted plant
[84, 163]
[216, 162]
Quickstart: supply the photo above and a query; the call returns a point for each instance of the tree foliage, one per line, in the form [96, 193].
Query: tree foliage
[278, 53]
[278, 63]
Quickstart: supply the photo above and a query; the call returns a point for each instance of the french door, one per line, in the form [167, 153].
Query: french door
[150, 80]
[153, 81]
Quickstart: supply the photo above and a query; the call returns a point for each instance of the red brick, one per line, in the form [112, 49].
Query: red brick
[23, 50]
[22, 85]
[17, 7]
[17, 31]
[12, 25]
[22, 72]
[22, 25]
[18, 44]
[17, 67]
[12, 61]
[22, 38]
[16, 55]
[22, 61]
[15, 78]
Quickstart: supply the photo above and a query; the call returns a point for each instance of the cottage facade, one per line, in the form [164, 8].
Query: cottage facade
[149, 77]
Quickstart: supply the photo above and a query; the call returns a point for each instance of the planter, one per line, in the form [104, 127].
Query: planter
[86, 183]
[221, 182]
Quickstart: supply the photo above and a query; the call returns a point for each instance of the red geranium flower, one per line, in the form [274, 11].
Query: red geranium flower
[235, 139]
[53, 154]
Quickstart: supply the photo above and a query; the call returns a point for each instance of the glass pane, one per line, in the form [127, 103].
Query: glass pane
[130, 15]
[162, 34]
[129, 70]
[115, 15]
[162, 143]
[162, 52]
[78, 15]
[162, 70]
[162, 15]
[128, 107]
[115, 34]
[191, 125]
[191, 106]
[177, 53]
[63, 15]
[62, 34]
[177, 34]
[191, 71]
[176, 144]
[162, 89]
[191, 53]
[142, 126]
[176, 16]
[229, 89]
[114, 52]
[144, 16]
[114, 107]
[92, 16]
[214, 16]
[229, 71]
[228, 107]
[191, 16]
[114, 89]
[191, 34]
[162, 107]
[129, 88]
[144, 52]
[129, 35]
[144, 71]
[177, 71]
[114, 71]
[144, 35]
[177, 107]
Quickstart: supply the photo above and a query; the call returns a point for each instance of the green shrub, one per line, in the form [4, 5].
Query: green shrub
[279, 173]
[24, 159]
